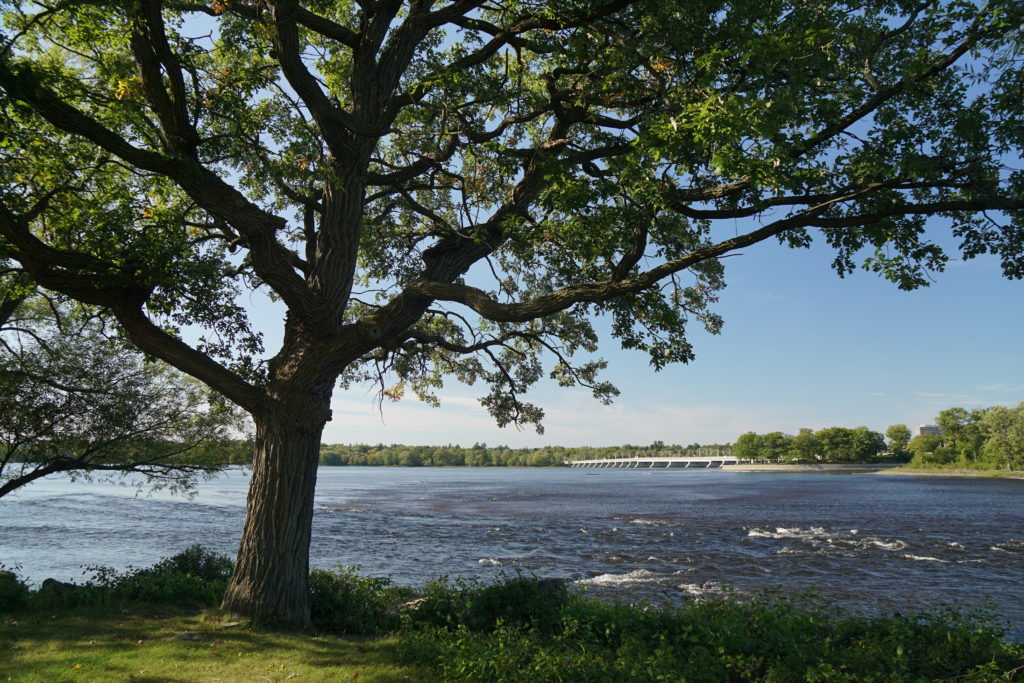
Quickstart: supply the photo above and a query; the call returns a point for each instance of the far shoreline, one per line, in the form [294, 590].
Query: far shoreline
[870, 468]
[852, 468]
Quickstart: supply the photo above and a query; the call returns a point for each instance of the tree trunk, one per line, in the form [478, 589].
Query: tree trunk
[270, 584]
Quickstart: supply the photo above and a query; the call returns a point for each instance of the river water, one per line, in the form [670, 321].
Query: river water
[871, 543]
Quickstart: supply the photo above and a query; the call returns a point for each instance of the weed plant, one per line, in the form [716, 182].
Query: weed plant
[767, 639]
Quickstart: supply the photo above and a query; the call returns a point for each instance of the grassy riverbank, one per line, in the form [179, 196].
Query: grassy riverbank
[158, 624]
[871, 468]
[944, 471]
[851, 468]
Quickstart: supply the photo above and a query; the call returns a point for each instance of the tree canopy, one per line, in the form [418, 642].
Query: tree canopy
[831, 444]
[75, 400]
[982, 438]
[457, 187]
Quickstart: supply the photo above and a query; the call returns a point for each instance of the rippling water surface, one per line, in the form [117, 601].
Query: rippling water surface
[869, 542]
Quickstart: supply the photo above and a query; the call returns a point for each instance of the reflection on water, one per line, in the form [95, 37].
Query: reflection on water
[870, 542]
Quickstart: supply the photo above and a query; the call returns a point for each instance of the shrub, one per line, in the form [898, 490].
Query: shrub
[195, 577]
[527, 601]
[342, 601]
[13, 591]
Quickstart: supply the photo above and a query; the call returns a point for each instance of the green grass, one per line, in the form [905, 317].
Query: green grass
[958, 469]
[147, 643]
[160, 624]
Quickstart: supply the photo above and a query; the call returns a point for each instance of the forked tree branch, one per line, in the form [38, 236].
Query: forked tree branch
[606, 290]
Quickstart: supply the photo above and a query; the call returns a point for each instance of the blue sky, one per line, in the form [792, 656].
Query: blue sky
[800, 348]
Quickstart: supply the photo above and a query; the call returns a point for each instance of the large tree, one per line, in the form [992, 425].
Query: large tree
[457, 187]
[898, 436]
[1005, 431]
[963, 431]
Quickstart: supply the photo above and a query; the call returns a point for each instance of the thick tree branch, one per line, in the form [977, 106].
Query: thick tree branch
[156, 342]
[437, 340]
[271, 260]
[94, 281]
[314, 22]
[928, 209]
[883, 95]
[425, 163]
[8, 306]
[601, 291]
[880, 97]
[796, 200]
[633, 254]
[334, 123]
[152, 51]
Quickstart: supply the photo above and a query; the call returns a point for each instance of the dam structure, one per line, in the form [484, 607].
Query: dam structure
[662, 462]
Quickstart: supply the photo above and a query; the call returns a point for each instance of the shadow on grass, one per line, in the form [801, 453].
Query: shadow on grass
[158, 644]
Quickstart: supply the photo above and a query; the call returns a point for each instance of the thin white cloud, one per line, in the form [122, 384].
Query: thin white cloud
[574, 419]
[360, 420]
[1001, 387]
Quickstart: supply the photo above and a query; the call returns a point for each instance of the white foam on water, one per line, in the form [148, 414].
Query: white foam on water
[887, 545]
[647, 522]
[923, 558]
[820, 537]
[1013, 546]
[490, 561]
[635, 576]
[788, 532]
[699, 589]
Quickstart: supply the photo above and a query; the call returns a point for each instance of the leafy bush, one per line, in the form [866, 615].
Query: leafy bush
[13, 591]
[769, 639]
[195, 577]
[522, 600]
[342, 601]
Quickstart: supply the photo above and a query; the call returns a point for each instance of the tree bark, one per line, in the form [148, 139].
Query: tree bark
[270, 584]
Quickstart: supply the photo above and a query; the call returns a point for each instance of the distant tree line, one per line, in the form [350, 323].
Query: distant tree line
[832, 444]
[482, 455]
[983, 438]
